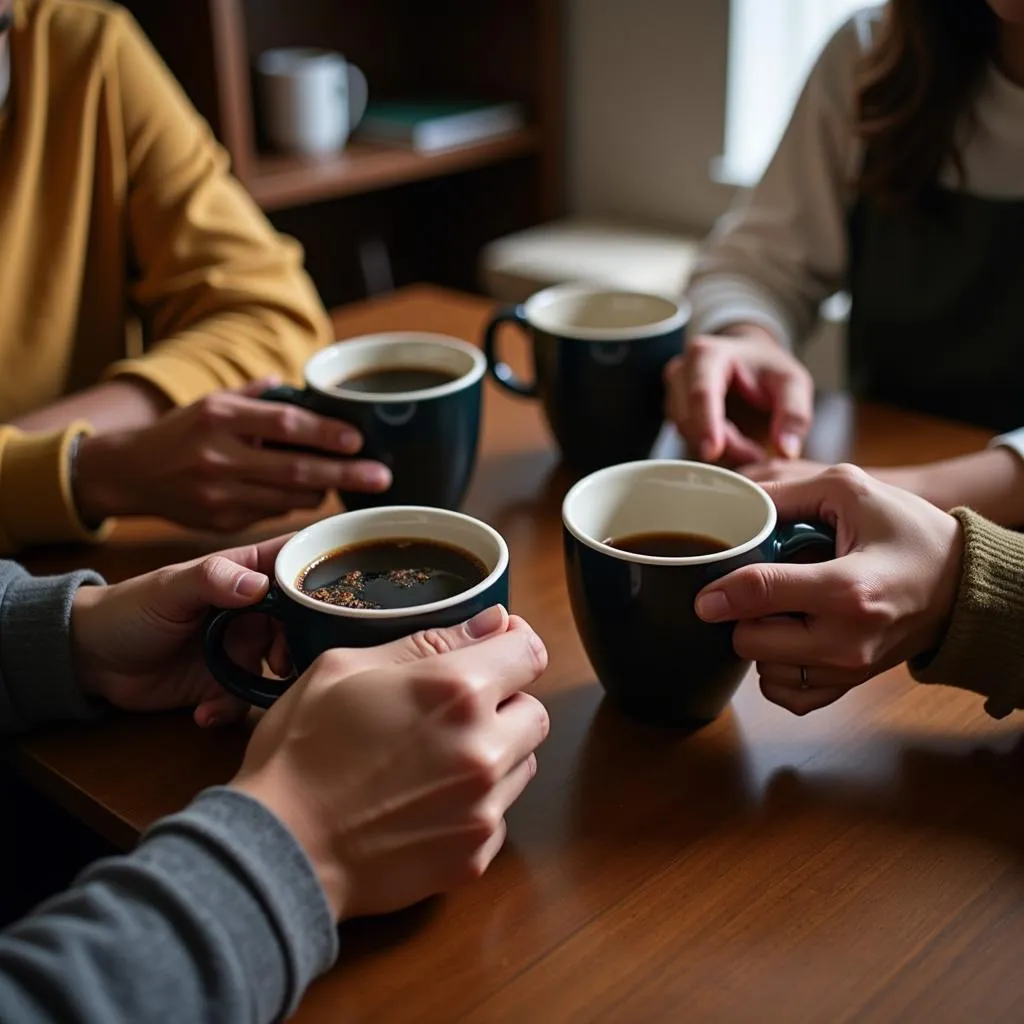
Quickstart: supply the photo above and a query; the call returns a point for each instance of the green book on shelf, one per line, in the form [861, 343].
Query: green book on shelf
[430, 126]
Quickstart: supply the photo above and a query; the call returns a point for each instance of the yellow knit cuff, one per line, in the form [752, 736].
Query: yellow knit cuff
[183, 381]
[36, 504]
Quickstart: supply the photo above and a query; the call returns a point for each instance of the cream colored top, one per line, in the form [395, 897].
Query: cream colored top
[783, 248]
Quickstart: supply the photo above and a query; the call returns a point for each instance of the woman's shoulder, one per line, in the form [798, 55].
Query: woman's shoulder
[836, 70]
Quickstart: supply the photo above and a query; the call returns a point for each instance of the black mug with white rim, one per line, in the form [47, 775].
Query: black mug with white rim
[415, 397]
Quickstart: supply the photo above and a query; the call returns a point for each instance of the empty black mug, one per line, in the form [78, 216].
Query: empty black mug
[598, 357]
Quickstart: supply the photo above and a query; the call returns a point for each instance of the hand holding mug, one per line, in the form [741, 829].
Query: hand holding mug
[207, 465]
[137, 645]
[394, 767]
[761, 372]
[887, 597]
[366, 578]
[642, 539]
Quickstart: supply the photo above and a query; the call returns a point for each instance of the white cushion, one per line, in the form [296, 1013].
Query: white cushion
[616, 255]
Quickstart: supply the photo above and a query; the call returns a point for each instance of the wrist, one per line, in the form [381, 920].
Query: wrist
[914, 479]
[100, 485]
[83, 655]
[749, 332]
[947, 587]
[306, 826]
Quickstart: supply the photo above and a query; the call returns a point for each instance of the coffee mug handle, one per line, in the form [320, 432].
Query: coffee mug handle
[793, 539]
[286, 393]
[499, 370]
[358, 93]
[250, 686]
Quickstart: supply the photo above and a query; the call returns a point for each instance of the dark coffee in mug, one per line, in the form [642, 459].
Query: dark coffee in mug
[393, 380]
[415, 398]
[669, 545]
[675, 527]
[393, 573]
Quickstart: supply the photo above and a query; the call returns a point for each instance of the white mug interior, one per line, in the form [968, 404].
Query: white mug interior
[589, 313]
[668, 496]
[405, 349]
[403, 522]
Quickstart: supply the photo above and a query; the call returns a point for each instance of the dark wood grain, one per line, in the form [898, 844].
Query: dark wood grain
[864, 863]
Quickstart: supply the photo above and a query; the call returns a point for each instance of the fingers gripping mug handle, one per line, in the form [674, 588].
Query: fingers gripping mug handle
[287, 394]
[793, 539]
[499, 370]
[250, 686]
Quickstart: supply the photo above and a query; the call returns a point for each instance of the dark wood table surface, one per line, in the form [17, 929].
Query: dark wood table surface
[864, 863]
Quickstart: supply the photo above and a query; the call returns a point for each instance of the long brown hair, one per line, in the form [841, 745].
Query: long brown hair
[916, 85]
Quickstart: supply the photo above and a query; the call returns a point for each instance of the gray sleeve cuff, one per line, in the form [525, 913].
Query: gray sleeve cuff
[217, 915]
[37, 682]
[281, 929]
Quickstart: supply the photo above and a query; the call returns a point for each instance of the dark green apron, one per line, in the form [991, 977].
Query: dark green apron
[937, 320]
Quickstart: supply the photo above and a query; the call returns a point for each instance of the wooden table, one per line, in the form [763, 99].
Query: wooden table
[863, 863]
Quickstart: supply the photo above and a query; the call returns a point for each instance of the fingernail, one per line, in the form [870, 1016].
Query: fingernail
[707, 450]
[712, 606]
[212, 722]
[377, 477]
[349, 441]
[251, 584]
[789, 445]
[485, 623]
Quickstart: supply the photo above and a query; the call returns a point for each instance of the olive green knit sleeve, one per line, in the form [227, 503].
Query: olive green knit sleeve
[983, 650]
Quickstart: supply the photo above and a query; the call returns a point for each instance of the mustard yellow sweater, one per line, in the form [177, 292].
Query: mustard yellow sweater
[117, 209]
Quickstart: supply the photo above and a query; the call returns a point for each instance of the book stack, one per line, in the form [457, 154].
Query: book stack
[435, 126]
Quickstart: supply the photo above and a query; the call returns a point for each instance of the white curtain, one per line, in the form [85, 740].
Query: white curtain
[773, 45]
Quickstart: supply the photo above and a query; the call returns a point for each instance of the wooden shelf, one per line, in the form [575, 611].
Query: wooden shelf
[278, 182]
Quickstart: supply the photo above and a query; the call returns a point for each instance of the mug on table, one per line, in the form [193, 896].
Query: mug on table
[598, 355]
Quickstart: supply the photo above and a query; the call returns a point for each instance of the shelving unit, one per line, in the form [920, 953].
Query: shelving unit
[395, 200]
[278, 182]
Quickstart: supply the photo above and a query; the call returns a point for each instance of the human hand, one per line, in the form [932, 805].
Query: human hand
[204, 466]
[751, 363]
[916, 479]
[780, 471]
[139, 644]
[886, 597]
[394, 766]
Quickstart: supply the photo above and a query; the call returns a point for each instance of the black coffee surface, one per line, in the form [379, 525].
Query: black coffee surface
[670, 545]
[395, 379]
[391, 574]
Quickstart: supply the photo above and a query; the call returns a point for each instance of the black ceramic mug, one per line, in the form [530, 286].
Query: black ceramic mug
[635, 613]
[428, 438]
[312, 627]
[598, 357]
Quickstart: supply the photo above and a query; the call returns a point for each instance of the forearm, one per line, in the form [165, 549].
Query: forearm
[991, 482]
[217, 916]
[113, 405]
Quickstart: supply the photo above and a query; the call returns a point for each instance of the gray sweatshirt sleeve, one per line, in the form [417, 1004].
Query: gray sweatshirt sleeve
[218, 916]
[37, 683]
